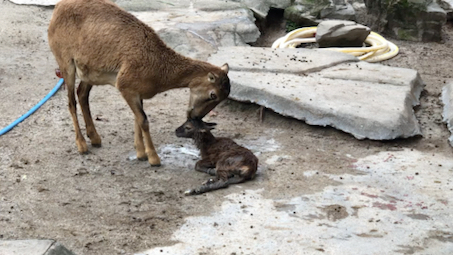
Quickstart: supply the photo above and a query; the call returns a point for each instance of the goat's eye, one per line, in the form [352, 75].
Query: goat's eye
[187, 128]
[212, 95]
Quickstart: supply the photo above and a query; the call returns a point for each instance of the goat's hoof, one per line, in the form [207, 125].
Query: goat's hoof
[142, 158]
[188, 192]
[154, 161]
[82, 148]
[96, 145]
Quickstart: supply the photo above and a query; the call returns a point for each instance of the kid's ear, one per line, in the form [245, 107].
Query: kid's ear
[209, 125]
[225, 68]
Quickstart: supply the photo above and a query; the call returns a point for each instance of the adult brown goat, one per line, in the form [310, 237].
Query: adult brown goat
[104, 44]
[222, 157]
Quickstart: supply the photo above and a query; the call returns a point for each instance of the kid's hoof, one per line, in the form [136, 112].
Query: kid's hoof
[188, 192]
[210, 181]
[156, 165]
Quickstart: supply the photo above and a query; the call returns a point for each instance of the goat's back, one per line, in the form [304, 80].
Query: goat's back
[100, 36]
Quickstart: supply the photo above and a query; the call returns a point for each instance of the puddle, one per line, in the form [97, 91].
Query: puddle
[177, 155]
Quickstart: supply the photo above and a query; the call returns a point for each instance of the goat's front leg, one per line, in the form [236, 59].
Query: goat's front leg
[205, 166]
[141, 121]
[138, 142]
[138, 139]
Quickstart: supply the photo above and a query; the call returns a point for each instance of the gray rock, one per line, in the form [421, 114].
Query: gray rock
[32, 247]
[197, 33]
[36, 2]
[327, 88]
[420, 20]
[301, 15]
[339, 10]
[340, 33]
[167, 5]
[308, 12]
[447, 5]
[261, 8]
[187, 43]
[447, 114]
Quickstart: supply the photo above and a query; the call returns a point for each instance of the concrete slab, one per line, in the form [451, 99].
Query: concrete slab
[36, 2]
[398, 202]
[288, 61]
[447, 114]
[151, 5]
[327, 88]
[32, 247]
[197, 33]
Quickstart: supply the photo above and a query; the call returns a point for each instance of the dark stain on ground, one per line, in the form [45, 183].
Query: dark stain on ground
[335, 212]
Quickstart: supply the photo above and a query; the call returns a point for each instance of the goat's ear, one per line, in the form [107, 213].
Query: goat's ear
[225, 68]
[210, 125]
[211, 77]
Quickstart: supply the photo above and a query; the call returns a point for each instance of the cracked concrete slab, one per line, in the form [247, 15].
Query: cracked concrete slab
[32, 247]
[327, 88]
[397, 202]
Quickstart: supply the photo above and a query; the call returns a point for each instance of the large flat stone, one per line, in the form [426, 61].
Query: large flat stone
[267, 60]
[327, 88]
[197, 33]
[32, 247]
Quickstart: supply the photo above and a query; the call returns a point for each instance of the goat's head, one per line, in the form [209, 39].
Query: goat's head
[191, 127]
[207, 92]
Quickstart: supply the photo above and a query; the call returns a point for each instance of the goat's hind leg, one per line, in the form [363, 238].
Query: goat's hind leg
[69, 77]
[205, 166]
[83, 93]
[208, 186]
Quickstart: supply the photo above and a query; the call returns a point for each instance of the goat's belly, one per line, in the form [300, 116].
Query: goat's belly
[96, 77]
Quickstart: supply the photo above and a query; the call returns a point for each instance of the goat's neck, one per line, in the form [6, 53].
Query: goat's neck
[203, 140]
[186, 70]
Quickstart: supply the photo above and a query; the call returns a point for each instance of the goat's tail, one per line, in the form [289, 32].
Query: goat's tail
[212, 184]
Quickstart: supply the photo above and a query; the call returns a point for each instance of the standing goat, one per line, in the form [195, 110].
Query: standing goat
[103, 44]
[222, 157]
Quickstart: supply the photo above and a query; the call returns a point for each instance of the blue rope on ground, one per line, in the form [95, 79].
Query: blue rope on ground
[32, 110]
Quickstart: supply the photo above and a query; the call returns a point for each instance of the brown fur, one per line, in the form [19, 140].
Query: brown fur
[103, 44]
[222, 157]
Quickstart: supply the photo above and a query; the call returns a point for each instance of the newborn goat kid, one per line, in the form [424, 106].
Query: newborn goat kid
[222, 157]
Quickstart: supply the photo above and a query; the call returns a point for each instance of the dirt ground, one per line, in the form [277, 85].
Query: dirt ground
[106, 203]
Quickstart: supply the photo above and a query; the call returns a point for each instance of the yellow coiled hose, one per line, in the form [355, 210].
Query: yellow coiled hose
[379, 48]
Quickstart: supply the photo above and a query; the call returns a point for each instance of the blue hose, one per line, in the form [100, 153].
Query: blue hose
[32, 110]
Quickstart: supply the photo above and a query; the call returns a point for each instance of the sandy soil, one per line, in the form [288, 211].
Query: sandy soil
[105, 203]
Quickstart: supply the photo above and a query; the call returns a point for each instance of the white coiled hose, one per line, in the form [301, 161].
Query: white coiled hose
[379, 48]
